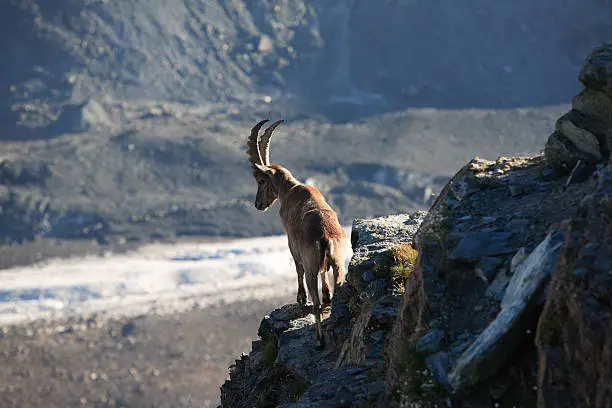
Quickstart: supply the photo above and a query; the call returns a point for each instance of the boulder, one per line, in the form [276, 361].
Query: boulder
[477, 245]
[589, 135]
[596, 72]
[578, 136]
[372, 241]
[594, 103]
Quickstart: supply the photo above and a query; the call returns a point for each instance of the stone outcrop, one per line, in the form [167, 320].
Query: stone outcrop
[499, 295]
[283, 368]
[584, 134]
[460, 327]
[486, 249]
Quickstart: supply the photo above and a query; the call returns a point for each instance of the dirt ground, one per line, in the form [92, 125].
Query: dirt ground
[177, 360]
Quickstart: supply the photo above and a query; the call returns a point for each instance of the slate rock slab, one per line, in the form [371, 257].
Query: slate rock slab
[497, 342]
[476, 245]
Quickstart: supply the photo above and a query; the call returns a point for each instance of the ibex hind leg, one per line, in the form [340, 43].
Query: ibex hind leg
[325, 285]
[336, 261]
[311, 282]
[301, 292]
[325, 249]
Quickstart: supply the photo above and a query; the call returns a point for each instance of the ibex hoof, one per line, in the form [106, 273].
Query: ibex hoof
[327, 301]
[301, 299]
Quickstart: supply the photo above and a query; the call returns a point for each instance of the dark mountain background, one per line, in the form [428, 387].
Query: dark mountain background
[125, 121]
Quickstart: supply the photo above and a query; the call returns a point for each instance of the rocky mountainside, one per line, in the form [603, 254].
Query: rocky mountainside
[351, 53]
[121, 116]
[499, 295]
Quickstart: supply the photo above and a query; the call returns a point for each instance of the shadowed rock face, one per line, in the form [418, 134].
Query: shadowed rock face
[487, 249]
[575, 329]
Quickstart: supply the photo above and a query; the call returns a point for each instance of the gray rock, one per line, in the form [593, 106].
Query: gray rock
[531, 273]
[476, 245]
[279, 320]
[372, 239]
[340, 302]
[463, 188]
[596, 72]
[497, 288]
[594, 103]
[375, 347]
[581, 131]
[549, 174]
[368, 276]
[82, 117]
[489, 351]
[20, 172]
[431, 342]
[340, 388]
[486, 269]
[493, 346]
[353, 371]
[516, 190]
[376, 289]
[561, 154]
[517, 225]
[438, 365]
[77, 225]
[296, 350]
[580, 173]
[517, 259]
[488, 220]
[383, 312]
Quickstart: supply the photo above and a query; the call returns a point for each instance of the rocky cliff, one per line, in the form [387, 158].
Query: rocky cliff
[499, 295]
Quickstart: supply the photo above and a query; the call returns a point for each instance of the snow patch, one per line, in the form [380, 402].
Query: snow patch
[157, 278]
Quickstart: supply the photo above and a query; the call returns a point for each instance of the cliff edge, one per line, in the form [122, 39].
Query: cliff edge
[499, 295]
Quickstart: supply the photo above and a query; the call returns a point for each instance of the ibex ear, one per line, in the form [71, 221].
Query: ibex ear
[269, 171]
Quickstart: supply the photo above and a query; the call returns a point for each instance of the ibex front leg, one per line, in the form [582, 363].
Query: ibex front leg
[299, 268]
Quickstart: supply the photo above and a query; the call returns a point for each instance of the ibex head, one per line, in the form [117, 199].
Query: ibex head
[258, 150]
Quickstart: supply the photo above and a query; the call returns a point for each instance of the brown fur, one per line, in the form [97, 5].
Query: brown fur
[316, 239]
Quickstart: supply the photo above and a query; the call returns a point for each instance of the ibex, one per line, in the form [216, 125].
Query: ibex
[316, 239]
